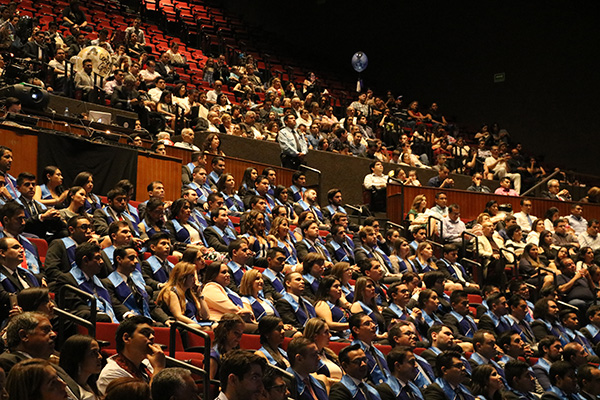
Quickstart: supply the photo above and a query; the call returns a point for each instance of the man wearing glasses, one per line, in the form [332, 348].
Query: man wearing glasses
[451, 375]
[364, 331]
[353, 384]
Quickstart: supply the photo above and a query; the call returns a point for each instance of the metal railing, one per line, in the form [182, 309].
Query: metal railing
[177, 326]
[429, 231]
[91, 324]
[464, 243]
[540, 183]
[475, 267]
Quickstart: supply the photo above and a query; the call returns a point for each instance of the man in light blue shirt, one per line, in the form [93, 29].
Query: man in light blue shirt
[293, 145]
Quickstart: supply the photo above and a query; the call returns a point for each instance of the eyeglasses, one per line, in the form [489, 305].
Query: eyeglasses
[359, 361]
[279, 388]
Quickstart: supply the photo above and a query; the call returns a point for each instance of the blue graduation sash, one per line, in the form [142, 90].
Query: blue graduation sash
[125, 294]
[277, 283]
[159, 273]
[10, 287]
[300, 314]
[96, 289]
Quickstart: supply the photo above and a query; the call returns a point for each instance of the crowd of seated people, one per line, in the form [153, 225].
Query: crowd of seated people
[292, 269]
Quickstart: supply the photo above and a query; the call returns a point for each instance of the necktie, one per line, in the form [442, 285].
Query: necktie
[363, 389]
[459, 395]
[296, 140]
[136, 293]
[310, 388]
[31, 208]
[408, 391]
[377, 360]
[19, 280]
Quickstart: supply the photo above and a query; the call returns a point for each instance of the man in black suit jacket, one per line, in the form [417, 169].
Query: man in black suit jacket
[304, 360]
[401, 385]
[274, 286]
[36, 49]
[39, 219]
[30, 335]
[89, 263]
[353, 386]
[459, 318]
[220, 234]
[587, 377]
[451, 375]
[563, 380]
[521, 384]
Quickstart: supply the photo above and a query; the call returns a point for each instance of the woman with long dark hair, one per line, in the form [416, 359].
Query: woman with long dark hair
[86, 180]
[182, 231]
[271, 330]
[486, 383]
[76, 204]
[228, 334]
[233, 202]
[80, 358]
[154, 218]
[364, 301]
[329, 306]
[51, 193]
[248, 179]
[279, 236]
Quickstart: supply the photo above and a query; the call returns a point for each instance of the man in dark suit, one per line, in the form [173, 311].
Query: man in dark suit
[521, 384]
[114, 211]
[451, 374]
[401, 385]
[588, 377]
[219, 235]
[60, 256]
[36, 49]
[12, 216]
[441, 339]
[403, 333]
[39, 219]
[550, 351]
[448, 264]
[30, 335]
[364, 332]
[459, 318]
[83, 276]
[13, 278]
[352, 386]
[239, 255]
[399, 296]
[304, 360]
[367, 248]
[129, 293]
[564, 382]
[311, 242]
[241, 375]
[494, 319]
[273, 276]
[486, 350]
[338, 246]
[293, 308]
[156, 268]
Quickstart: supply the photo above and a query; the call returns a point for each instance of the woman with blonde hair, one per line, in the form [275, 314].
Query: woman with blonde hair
[419, 205]
[179, 297]
[251, 288]
[279, 236]
[423, 258]
[317, 331]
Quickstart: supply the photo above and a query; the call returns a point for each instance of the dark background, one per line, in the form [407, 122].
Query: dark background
[448, 52]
